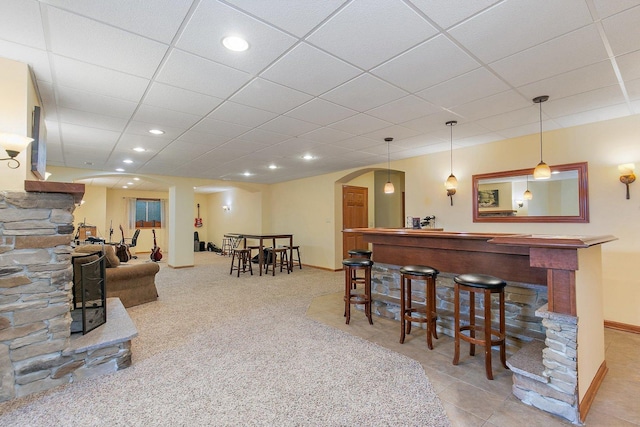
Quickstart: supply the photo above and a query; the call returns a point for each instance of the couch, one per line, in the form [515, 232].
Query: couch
[134, 284]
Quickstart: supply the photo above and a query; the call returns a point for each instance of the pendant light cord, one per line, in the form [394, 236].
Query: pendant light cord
[451, 149]
[388, 162]
[540, 103]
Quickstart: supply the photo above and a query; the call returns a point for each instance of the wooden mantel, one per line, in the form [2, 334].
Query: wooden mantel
[76, 190]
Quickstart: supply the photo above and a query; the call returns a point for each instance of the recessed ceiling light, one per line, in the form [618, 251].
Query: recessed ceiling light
[236, 44]
[127, 161]
[119, 170]
[308, 157]
[273, 167]
[136, 179]
[247, 174]
[129, 183]
[88, 163]
[156, 131]
[124, 186]
[139, 149]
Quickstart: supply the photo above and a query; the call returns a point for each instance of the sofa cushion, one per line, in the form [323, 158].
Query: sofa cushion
[109, 251]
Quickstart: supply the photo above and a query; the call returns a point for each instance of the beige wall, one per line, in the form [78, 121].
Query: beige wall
[311, 208]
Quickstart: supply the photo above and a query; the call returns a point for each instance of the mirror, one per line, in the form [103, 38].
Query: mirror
[499, 196]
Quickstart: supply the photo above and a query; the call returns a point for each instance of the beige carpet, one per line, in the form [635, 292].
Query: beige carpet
[217, 350]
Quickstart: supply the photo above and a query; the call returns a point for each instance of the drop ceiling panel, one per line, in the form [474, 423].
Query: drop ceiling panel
[91, 120]
[159, 118]
[264, 137]
[403, 109]
[201, 75]
[289, 126]
[133, 15]
[360, 124]
[492, 105]
[574, 50]
[241, 114]
[321, 112]
[463, 89]
[363, 93]
[213, 21]
[220, 128]
[583, 102]
[143, 128]
[270, 96]
[182, 149]
[178, 99]
[94, 103]
[430, 63]
[95, 79]
[20, 22]
[310, 70]
[206, 139]
[99, 139]
[445, 13]
[395, 131]
[37, 59]
[595, 115]
[512, 26]
[102, 44]
[629, 65]
[327, 135]
[298, 17]
[377, 37]
[623, 32]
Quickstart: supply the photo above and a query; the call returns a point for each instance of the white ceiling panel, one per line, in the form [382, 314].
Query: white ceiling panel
[298, 17]
[574, 50]
[177, 99]
[21, 22]
[430, 63]
[100, 80]
[463, 89]
[623, 31]
[310, 70]
[377, 37]
[241, 114]
[133, 15]
[321, 112]
[102, 44]
[515, 25]
[270, 96]
[330, 78]
[445, 13]
[359, 124]
[213, 21]
[363, 93]
[201, 75]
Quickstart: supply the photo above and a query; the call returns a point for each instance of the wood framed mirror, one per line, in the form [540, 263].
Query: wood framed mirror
[500, 196]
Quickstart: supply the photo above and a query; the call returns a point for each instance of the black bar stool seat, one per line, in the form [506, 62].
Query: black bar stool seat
[428, 314]
[351, 266]
[361, 253]
[485, 285]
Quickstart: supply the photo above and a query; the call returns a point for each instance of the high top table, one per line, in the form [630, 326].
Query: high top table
[273, 237]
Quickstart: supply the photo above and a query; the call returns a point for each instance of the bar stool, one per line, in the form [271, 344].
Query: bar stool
[295, 261]
[486, 285]
[226, 246]
[351, 266]
[244, 259]
[358, 253]
[272, 259]
[428, 314]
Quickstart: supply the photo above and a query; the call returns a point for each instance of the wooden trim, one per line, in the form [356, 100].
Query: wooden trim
[590, 395]
[625, 327]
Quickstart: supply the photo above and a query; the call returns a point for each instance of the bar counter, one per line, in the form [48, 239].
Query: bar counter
[570, 267]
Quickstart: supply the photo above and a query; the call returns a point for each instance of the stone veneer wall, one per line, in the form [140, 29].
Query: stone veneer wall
[521, 302]
[35, 297]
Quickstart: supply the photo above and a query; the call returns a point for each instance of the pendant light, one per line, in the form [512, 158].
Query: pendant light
[527, 194]
[452, 183]
[542, 171]
[388, 187]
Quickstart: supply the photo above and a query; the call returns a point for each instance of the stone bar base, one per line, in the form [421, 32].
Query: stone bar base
[521, 302]
[545, 375]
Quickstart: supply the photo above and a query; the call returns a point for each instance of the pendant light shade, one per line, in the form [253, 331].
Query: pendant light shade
[527, 194]
[388, 187]
[451, 184]
[542, 171]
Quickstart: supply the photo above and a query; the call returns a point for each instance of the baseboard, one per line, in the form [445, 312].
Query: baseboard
[590, 395]
[622, 327]
[180, 266]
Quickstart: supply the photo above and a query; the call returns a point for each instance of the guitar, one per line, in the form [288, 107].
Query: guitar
[122, 249]
[156, 254]
[198, 219]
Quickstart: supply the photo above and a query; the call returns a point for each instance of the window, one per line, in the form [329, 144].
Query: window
[148, 213]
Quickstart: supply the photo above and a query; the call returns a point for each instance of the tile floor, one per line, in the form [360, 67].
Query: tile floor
[472, 400]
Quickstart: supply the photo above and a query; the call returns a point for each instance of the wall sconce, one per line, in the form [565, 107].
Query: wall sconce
[626, 175]
[520, 203]
[226, 208]
[13, 144]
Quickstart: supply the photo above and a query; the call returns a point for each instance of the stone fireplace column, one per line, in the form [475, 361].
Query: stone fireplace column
[36, 230]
